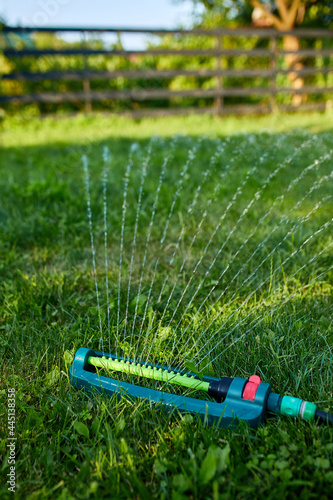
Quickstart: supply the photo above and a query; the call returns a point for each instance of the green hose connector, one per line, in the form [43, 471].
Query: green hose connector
[150, 372]
[296, 407]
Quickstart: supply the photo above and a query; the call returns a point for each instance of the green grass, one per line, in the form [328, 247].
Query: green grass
[72, 444]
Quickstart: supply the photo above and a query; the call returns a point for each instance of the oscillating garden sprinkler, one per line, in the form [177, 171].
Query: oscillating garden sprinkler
[237, 399]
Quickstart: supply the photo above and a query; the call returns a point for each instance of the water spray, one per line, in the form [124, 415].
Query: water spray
[225, 401]
[236, 399]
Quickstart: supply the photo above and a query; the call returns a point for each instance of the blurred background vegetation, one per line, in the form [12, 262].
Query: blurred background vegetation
[217, 14]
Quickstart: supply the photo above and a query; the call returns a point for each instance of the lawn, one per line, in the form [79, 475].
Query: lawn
[225, 239]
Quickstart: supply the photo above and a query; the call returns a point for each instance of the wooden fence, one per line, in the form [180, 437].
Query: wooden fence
[222, 71]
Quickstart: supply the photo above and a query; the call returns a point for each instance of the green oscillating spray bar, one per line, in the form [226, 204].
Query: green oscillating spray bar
[152, 372]
[236, 398]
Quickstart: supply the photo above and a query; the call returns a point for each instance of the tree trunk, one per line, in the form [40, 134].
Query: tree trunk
[291, 42]
[289, 14]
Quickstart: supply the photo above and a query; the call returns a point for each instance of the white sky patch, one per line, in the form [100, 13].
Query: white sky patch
[101, 13]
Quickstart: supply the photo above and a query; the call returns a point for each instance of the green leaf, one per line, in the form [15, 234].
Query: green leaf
[181, 482]
[285, 475]
[53, 376]
[208, 467]
[164, 332]
[187, 418]
[159, 468]
[140, 300]
[68, 358]
[216, 461]
[123, 446]
[329, 476]
[96, 424]
[206, 369]
[281, 464]
[98, 313]
[322, 463]
[120, 425]
[33, 417]
[203, 369]
[270, 335]
[81, 429]
[223, 458]
[191, 367]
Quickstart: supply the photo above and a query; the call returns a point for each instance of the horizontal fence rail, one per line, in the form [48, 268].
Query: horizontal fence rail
[166, 52]
[236, 32]
[268, 63]
[155, 74]
[144, 95]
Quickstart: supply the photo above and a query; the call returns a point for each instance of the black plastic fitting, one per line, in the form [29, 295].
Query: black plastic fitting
[324, 417]
[218, 389]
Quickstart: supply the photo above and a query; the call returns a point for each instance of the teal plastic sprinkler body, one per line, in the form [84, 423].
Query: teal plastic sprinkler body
[236, 398]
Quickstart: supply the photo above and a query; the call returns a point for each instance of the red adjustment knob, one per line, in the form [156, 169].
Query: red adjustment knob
[251, 387]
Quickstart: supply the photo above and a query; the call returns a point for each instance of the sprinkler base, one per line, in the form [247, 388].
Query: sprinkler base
[234, 408]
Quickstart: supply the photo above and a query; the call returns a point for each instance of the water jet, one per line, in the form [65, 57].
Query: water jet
[134, 350]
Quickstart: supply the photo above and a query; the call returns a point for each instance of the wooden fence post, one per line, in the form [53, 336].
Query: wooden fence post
[86, 82]
[86, 88]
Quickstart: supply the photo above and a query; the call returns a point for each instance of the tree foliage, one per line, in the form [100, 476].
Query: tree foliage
[282, 14]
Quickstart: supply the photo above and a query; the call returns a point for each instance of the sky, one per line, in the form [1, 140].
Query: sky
[97, 13]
